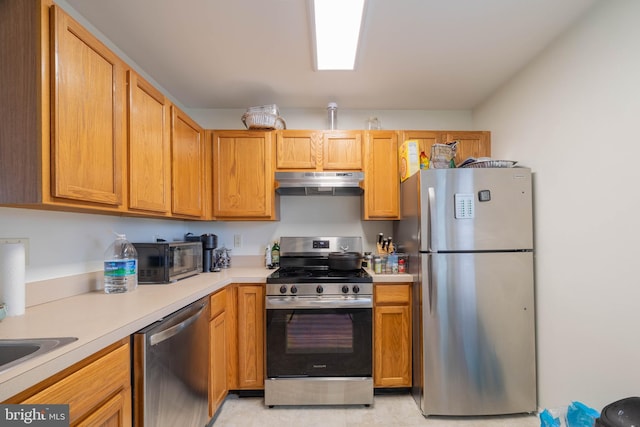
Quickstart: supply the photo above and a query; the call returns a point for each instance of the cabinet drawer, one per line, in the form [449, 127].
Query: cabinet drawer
[396, 294]
[218, 302]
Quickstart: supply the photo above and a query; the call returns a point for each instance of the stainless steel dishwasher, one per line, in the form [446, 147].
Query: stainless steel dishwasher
[170, 369]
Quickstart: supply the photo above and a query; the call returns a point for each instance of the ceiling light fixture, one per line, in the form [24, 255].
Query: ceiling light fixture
[337, 31]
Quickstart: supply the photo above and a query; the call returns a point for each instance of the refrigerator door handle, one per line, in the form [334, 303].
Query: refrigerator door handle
[431, 212]
[430, 286]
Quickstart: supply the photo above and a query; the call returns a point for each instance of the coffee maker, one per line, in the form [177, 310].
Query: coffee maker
[209, 244]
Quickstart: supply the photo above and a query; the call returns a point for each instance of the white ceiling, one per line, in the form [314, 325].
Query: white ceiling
[415, 54]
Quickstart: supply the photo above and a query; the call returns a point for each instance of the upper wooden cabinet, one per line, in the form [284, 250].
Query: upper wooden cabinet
[63, 92]
[315, 150]
[149, 147]
[381, 187]
[472, 143]
[84, 133]
[243, 175]
[188, 166]
[299, 150]
[87, 115]
[343, 150]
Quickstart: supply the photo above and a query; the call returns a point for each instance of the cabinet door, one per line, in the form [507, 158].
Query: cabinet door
[89, 390]
[382, 183]
[87, 116]
[298, 150]
[218, 354]
[218, 360]
[342, 150]
[392, 350]
[250, 341]
[425, 138]
[149, 147]
[115, 412]
[243, 181]
[392, 336]
[472, 144]
[188, 165]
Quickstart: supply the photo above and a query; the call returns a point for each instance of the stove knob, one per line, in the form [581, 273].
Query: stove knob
[356, 289]
[319, 289]
[294, 289]
[345, 289]
[283, 289]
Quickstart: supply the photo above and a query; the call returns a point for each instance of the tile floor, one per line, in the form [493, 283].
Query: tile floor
[388, 410]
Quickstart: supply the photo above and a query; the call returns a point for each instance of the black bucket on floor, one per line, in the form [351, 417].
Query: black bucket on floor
[623, 413]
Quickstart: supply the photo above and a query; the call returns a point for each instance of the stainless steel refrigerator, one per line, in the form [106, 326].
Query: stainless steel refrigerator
[469, 236]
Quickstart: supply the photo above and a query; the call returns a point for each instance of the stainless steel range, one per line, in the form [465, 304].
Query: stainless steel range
[319, 326]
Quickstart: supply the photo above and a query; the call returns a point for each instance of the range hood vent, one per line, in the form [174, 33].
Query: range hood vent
[319, 183]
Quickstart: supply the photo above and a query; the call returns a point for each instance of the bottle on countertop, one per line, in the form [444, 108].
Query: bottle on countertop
[120, 266]
[275, 254]
[367, 260]
[377, 265]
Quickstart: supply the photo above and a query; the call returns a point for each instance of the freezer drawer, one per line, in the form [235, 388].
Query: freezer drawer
[477, 333]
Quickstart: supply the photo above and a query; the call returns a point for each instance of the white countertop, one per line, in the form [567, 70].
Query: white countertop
[98, 320]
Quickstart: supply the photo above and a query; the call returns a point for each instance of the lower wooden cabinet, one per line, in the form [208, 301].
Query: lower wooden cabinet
[392, 335]
[246, 337]
[218, 351]
[97, 389]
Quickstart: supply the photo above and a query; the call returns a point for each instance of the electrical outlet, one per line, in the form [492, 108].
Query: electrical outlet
[23, 240]
[237, 240]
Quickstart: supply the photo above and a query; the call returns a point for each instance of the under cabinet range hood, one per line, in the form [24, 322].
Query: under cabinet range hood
[319, 183]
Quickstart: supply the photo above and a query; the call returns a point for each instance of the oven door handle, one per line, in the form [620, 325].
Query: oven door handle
[287, 302]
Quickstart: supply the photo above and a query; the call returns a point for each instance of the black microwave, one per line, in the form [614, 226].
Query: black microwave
[168, 262]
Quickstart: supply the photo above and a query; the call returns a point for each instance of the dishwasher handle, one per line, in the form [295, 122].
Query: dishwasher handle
[172, 330]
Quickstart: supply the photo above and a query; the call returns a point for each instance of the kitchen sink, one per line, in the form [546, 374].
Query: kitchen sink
[14, 352]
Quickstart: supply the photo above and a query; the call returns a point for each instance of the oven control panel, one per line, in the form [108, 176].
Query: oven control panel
[307, 289]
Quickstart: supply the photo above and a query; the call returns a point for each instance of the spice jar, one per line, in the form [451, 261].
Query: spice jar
[377, 265]
[401, 266]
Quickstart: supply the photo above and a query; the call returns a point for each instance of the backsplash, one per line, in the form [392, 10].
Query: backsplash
[65, 244]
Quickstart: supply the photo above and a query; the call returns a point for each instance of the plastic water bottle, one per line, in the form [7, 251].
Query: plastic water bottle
[120, 266]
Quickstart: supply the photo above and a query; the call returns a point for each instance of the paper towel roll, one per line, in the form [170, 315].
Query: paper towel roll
[12, 273]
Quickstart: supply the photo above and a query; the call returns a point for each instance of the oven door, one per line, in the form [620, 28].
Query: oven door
[319, 337]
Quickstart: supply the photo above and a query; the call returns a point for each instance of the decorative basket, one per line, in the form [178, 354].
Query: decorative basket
[263, 117]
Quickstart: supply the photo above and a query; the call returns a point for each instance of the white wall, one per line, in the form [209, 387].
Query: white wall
[347, 119]
[572, 117]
